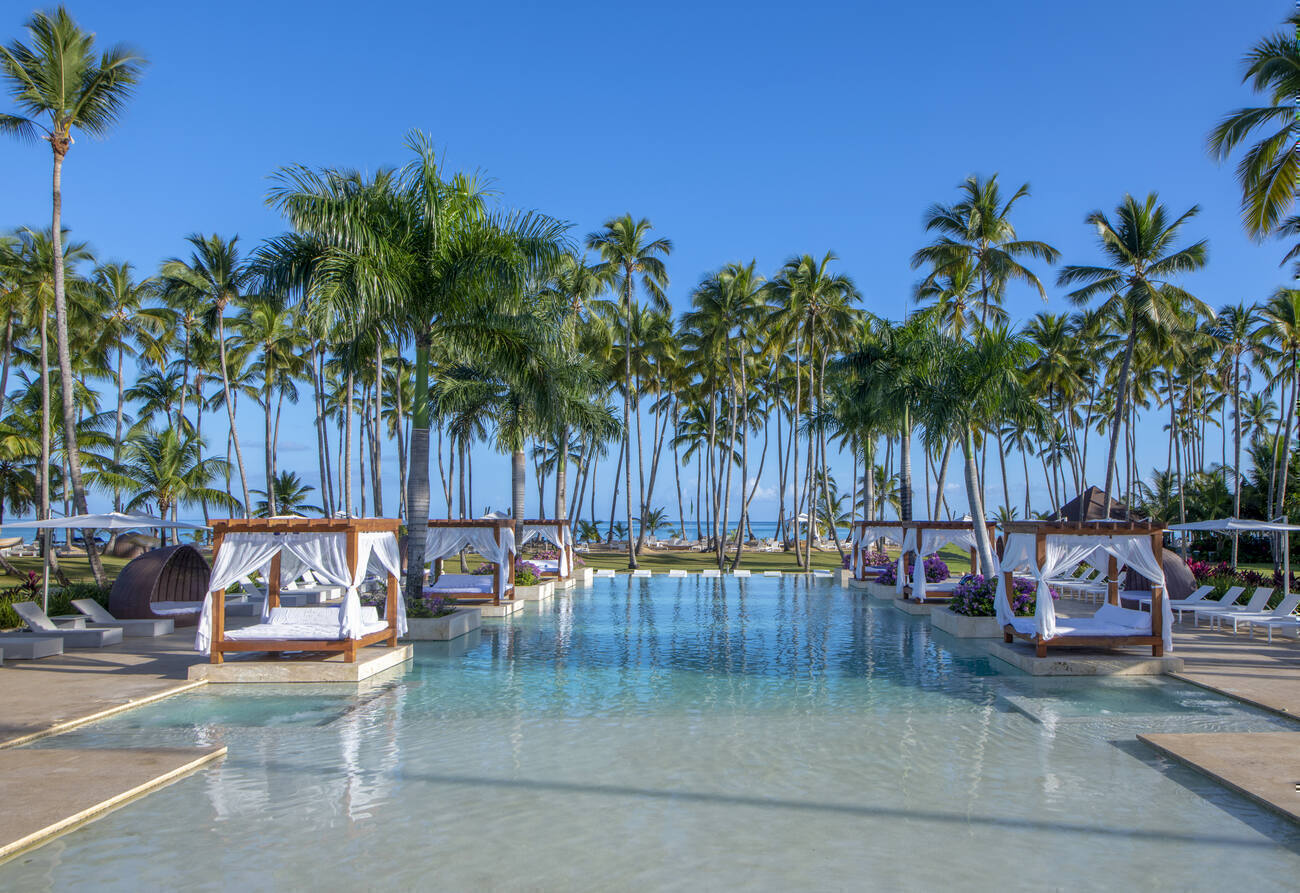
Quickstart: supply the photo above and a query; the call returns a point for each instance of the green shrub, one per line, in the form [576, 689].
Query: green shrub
[60, 599]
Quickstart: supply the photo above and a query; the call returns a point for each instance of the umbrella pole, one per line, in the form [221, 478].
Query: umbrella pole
[1286, 560]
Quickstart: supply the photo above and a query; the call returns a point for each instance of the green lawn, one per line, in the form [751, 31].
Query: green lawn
[77, 569]
[654, 560]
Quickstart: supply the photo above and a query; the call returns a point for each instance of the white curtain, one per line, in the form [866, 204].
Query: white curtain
[900, 571]
[931, 541]
[863, 536]
[240, 555]
[557, 535]
[1062, 555]
[443, 541]
[383, 551]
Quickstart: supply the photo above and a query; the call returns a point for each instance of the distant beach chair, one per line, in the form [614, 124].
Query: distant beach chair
[98, 616]
[676, 572]
[77, 636]
[772, 573]
[603, 572]
[710, 572]
[640, 572]
[740, 573]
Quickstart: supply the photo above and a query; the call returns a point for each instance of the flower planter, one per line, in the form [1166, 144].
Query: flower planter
[535, 593]
[440, 629]
[846, 577]
[882, 590]
[964, 627]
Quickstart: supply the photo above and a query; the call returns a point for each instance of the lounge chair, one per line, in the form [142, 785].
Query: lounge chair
[1284, 611]
[1216, 612]
[710, 572]
[1144, 601]
[772, 573]
[25, 646]
[41, 625]
[641, 572]
[97, 616]
[676, 572]
[603, 572]
[741, 573]
[1193, 601]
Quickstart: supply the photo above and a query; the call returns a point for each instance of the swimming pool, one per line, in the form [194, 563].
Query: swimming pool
[683, 733]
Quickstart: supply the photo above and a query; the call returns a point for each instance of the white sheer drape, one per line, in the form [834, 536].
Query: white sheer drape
[863, 535]
[556, 534]
[930, 542]
[443, 541]
[900, 570]
[383, 551]
[324, 554]
[240, 555]
[1063, 554]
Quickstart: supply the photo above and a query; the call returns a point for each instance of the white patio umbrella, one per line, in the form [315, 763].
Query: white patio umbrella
[1245, 525]
[105, 521]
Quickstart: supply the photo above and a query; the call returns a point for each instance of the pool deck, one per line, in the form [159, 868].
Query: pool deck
[49, 791]
[1259, 765]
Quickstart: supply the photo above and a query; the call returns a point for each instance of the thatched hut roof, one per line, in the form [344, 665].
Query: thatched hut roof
[1090, 505]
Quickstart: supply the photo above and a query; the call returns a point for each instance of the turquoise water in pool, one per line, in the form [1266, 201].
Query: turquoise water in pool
[683, 734]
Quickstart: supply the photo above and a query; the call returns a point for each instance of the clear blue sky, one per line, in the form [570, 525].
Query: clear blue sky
[742, 130]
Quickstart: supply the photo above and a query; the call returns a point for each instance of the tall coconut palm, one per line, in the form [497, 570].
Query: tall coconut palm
[1234, 331]
[417, 251]
[1269, 170]
[165, 470]
[1136, 285]
[1279, 333]
[971, 388]
[129, 326]
[214, 277]
[59, 85]
[630, 257]
[976, 235]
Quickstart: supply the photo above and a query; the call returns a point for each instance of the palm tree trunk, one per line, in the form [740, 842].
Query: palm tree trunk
[976, 497]
[347, 443]
[1236, 447]
[322, 442]
[905, 468]
[376, 434]
[721, 546]
[794, 444]
[1284, 463]
[8, 356]
[43, 472]
[940, 475]
[65, 364]
[417, 480]
[518, 479]
[1120, 395]
[562, 476]
[627, 414]
[230, 408]
[622, 453]
[271, 508]
[117, 427]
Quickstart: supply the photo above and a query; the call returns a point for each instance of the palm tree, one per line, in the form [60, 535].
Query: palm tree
[976, 235]
[1269, 169]
[628, 257]
[1139, 248]
[290, 497]
[128, 327]
[1279, 334]
[968, 389]
[419, 252]
[1234, 331]
[59, 85]
[167, 469]
[214, 277]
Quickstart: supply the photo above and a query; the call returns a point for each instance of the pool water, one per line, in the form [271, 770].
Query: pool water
[683, 734]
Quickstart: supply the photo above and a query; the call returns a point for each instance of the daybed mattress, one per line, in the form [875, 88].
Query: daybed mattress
[1109, 621]
[320, 623]
[449, 583]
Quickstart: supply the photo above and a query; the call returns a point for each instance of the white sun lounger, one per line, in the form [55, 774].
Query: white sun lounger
[603, 572]
[772, 573]
[1285, 610]
[41, 625]
[1193, 601]
[25, 646]
[1258, 601]
[741, 573]
[710, 572]
[640, 572]
[676, 572]
[97, 616]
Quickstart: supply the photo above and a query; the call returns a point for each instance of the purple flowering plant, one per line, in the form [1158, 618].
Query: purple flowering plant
[974, 595]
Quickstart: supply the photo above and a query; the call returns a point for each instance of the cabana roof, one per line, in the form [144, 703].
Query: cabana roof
[304, 525]
[473, 522]
[1090, 505]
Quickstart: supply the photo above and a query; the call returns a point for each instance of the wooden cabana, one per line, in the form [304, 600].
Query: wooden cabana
[862, 534]
[162, 584]
[558, 533]
[339, 549]
[922, 538]
[1050, 550]
[492, 538]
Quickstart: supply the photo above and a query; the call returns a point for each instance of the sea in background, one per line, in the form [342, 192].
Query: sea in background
[762, 529]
